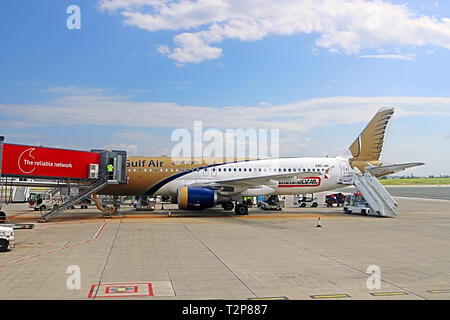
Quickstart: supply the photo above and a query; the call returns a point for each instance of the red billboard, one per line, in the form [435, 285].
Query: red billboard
[19, 160]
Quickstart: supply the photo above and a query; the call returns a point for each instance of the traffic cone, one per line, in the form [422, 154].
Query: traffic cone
[318, 223]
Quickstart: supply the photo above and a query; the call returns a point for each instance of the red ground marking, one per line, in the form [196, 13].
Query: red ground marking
[17, 261]
[115, 295]
[100, 230]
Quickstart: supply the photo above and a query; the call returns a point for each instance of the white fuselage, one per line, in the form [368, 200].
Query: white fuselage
[325, 174]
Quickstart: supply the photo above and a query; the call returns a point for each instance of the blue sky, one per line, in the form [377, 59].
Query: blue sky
[138, 69]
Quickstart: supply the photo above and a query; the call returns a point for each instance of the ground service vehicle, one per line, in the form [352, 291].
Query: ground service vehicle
[272, 203]
[45, 201]
[307, 198]
[335, 198]
[355, 203]
[7, 238]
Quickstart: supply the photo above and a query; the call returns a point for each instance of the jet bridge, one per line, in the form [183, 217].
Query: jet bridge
[61, 168]
[377, 197]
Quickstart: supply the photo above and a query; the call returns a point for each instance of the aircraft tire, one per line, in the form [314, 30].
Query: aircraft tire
[241, 210]
[3, 245]
[228, 206]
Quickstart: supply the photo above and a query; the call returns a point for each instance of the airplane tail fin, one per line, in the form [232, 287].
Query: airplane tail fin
[366, 149]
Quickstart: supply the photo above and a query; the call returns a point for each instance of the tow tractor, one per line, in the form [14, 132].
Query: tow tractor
[355, 203]
[302, 200]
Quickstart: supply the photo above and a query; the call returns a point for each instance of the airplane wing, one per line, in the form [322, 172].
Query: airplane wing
[393, 168]
[254, 181]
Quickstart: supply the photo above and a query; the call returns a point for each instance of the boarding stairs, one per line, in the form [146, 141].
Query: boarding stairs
[20, 194]
[377, 197]
[91, 187]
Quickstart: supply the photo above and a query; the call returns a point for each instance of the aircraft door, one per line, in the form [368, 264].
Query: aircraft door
[343, 168]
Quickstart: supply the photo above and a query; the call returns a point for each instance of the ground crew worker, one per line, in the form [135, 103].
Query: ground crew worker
[110, 169]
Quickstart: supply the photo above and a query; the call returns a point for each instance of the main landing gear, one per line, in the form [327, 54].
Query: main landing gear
[241, 209]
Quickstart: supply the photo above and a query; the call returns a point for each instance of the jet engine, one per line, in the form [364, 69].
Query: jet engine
[194, 198]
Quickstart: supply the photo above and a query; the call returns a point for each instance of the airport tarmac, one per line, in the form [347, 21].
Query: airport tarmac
[217, 255]
[423, 191]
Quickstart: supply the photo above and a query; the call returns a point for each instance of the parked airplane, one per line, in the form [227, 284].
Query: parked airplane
[214, 181]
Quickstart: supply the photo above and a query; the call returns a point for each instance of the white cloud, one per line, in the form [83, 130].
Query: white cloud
[163, 50]
[303, 125]
[301, 116]
[131, 149]
[192, 48]
[387, 56]
[342, 26]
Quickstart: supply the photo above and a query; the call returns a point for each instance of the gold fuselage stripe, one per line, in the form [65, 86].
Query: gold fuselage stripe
[141, 179]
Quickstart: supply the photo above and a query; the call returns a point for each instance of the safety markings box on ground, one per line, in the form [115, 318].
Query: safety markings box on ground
[330, 296]
[386, 294]
[269, 298]
[439, 291]
[132, 289]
